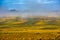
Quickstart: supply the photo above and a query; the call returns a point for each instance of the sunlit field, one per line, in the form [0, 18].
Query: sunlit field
[36, 28]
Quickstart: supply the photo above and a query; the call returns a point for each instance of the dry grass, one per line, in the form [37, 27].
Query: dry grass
[29, 34]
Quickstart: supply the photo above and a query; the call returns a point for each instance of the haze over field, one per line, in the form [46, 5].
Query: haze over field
[30, 7]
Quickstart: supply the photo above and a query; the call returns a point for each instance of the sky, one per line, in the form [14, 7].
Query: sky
[42, 7]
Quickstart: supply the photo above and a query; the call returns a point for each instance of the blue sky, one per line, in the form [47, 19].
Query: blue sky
[31, 5]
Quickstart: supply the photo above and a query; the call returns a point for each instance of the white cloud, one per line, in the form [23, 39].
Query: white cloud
[39, 1]
[46, 1]
[19, 3]
[49, 2]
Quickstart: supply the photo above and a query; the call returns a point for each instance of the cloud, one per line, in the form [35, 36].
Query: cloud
[19, 3]
[49, 2]
[46, 1]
